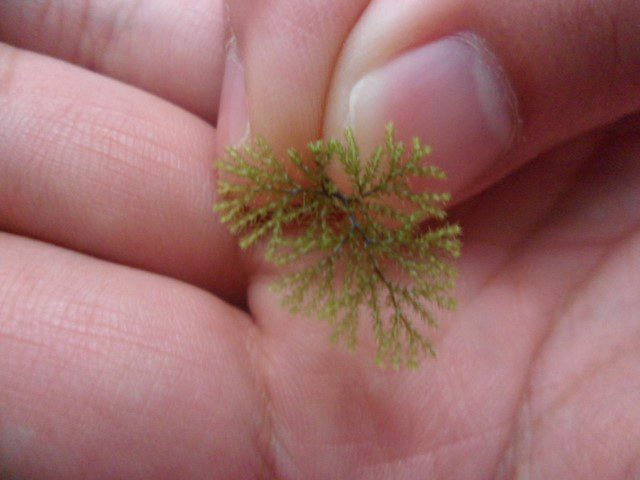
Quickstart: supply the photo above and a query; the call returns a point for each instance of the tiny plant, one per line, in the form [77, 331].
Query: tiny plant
[379, 251]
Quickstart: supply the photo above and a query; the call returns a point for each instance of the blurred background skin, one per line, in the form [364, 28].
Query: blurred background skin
[136, 341]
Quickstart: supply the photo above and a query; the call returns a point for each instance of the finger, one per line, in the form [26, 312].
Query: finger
[97, 166]
[465, 76]
[169, 47]
[278, 68]
[106, 372]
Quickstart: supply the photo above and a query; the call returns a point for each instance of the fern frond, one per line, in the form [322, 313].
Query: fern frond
[360, 254]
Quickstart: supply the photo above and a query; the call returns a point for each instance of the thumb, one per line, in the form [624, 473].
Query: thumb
[488, 85]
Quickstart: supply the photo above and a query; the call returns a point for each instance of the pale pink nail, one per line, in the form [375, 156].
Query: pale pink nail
[233, 123]
[451, 94]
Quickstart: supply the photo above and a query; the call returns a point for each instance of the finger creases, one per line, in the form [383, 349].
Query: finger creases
[97, 166]
[172, 48]
[141, 374]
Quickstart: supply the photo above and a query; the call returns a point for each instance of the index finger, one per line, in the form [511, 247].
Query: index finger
[171, 48]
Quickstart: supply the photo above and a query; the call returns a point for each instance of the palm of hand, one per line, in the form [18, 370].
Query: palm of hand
[114, 372]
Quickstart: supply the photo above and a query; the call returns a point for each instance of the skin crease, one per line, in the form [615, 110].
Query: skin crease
[121, 353]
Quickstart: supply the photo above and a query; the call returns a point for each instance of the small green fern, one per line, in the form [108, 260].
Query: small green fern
[372, 252]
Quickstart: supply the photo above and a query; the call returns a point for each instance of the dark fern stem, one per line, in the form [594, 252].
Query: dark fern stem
[360, 253]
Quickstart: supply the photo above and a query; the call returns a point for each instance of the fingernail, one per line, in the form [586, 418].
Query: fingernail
[233, 123]
[451, 94]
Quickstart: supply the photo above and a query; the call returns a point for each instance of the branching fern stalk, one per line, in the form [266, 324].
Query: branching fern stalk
[380, 251]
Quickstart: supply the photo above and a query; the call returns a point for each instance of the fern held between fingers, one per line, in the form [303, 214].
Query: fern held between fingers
[380, 252]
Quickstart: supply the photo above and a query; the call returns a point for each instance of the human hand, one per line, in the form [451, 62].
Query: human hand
[121, 353]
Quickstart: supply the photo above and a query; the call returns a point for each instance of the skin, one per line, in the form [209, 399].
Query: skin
[136, 341]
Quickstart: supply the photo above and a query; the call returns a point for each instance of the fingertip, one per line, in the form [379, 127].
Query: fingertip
[450, 93]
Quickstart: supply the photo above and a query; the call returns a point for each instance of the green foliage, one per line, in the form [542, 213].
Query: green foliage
[380, 251]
